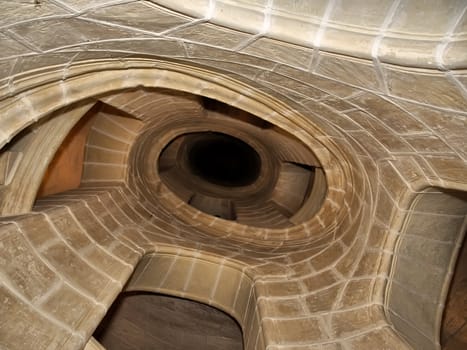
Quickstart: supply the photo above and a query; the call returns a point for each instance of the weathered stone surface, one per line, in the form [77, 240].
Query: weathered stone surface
[376, 95]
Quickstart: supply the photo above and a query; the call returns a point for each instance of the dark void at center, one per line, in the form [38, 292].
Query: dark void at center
[223, 160]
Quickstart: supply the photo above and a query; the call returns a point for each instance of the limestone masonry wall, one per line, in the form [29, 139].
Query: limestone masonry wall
[370, 95]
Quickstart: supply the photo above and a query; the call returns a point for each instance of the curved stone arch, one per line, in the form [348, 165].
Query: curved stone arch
[328, 27]
[86, 80]
[28, 174]
[217, 282]
[54, 92]
[220, 282]
[425, 255]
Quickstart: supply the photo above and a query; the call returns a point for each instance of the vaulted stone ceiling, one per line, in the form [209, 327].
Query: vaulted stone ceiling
[370, 97]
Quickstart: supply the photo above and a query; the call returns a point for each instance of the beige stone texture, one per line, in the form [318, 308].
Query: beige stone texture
[24, 319]
[356, 109]
[142, 16]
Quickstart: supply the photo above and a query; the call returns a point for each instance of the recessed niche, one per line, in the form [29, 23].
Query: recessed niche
[160, 322]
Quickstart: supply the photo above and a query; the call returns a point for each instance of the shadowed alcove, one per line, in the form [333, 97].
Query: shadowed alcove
[153, 321]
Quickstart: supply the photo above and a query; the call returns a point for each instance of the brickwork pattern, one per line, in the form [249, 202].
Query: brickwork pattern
[380, 99]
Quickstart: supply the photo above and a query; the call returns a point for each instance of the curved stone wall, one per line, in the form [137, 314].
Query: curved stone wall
[424, 262]
[379, 98]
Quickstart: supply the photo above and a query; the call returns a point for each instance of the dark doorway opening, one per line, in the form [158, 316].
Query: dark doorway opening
[140, 320]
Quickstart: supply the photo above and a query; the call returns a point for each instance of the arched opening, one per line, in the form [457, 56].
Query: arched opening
[423, 267]
[101, 230]
[139, 320]
[274, 129]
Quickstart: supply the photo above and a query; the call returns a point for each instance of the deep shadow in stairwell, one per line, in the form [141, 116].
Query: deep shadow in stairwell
[158, 322]
[223, 160]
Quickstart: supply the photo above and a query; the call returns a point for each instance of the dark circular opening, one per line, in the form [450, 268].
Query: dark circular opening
[223, 160]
